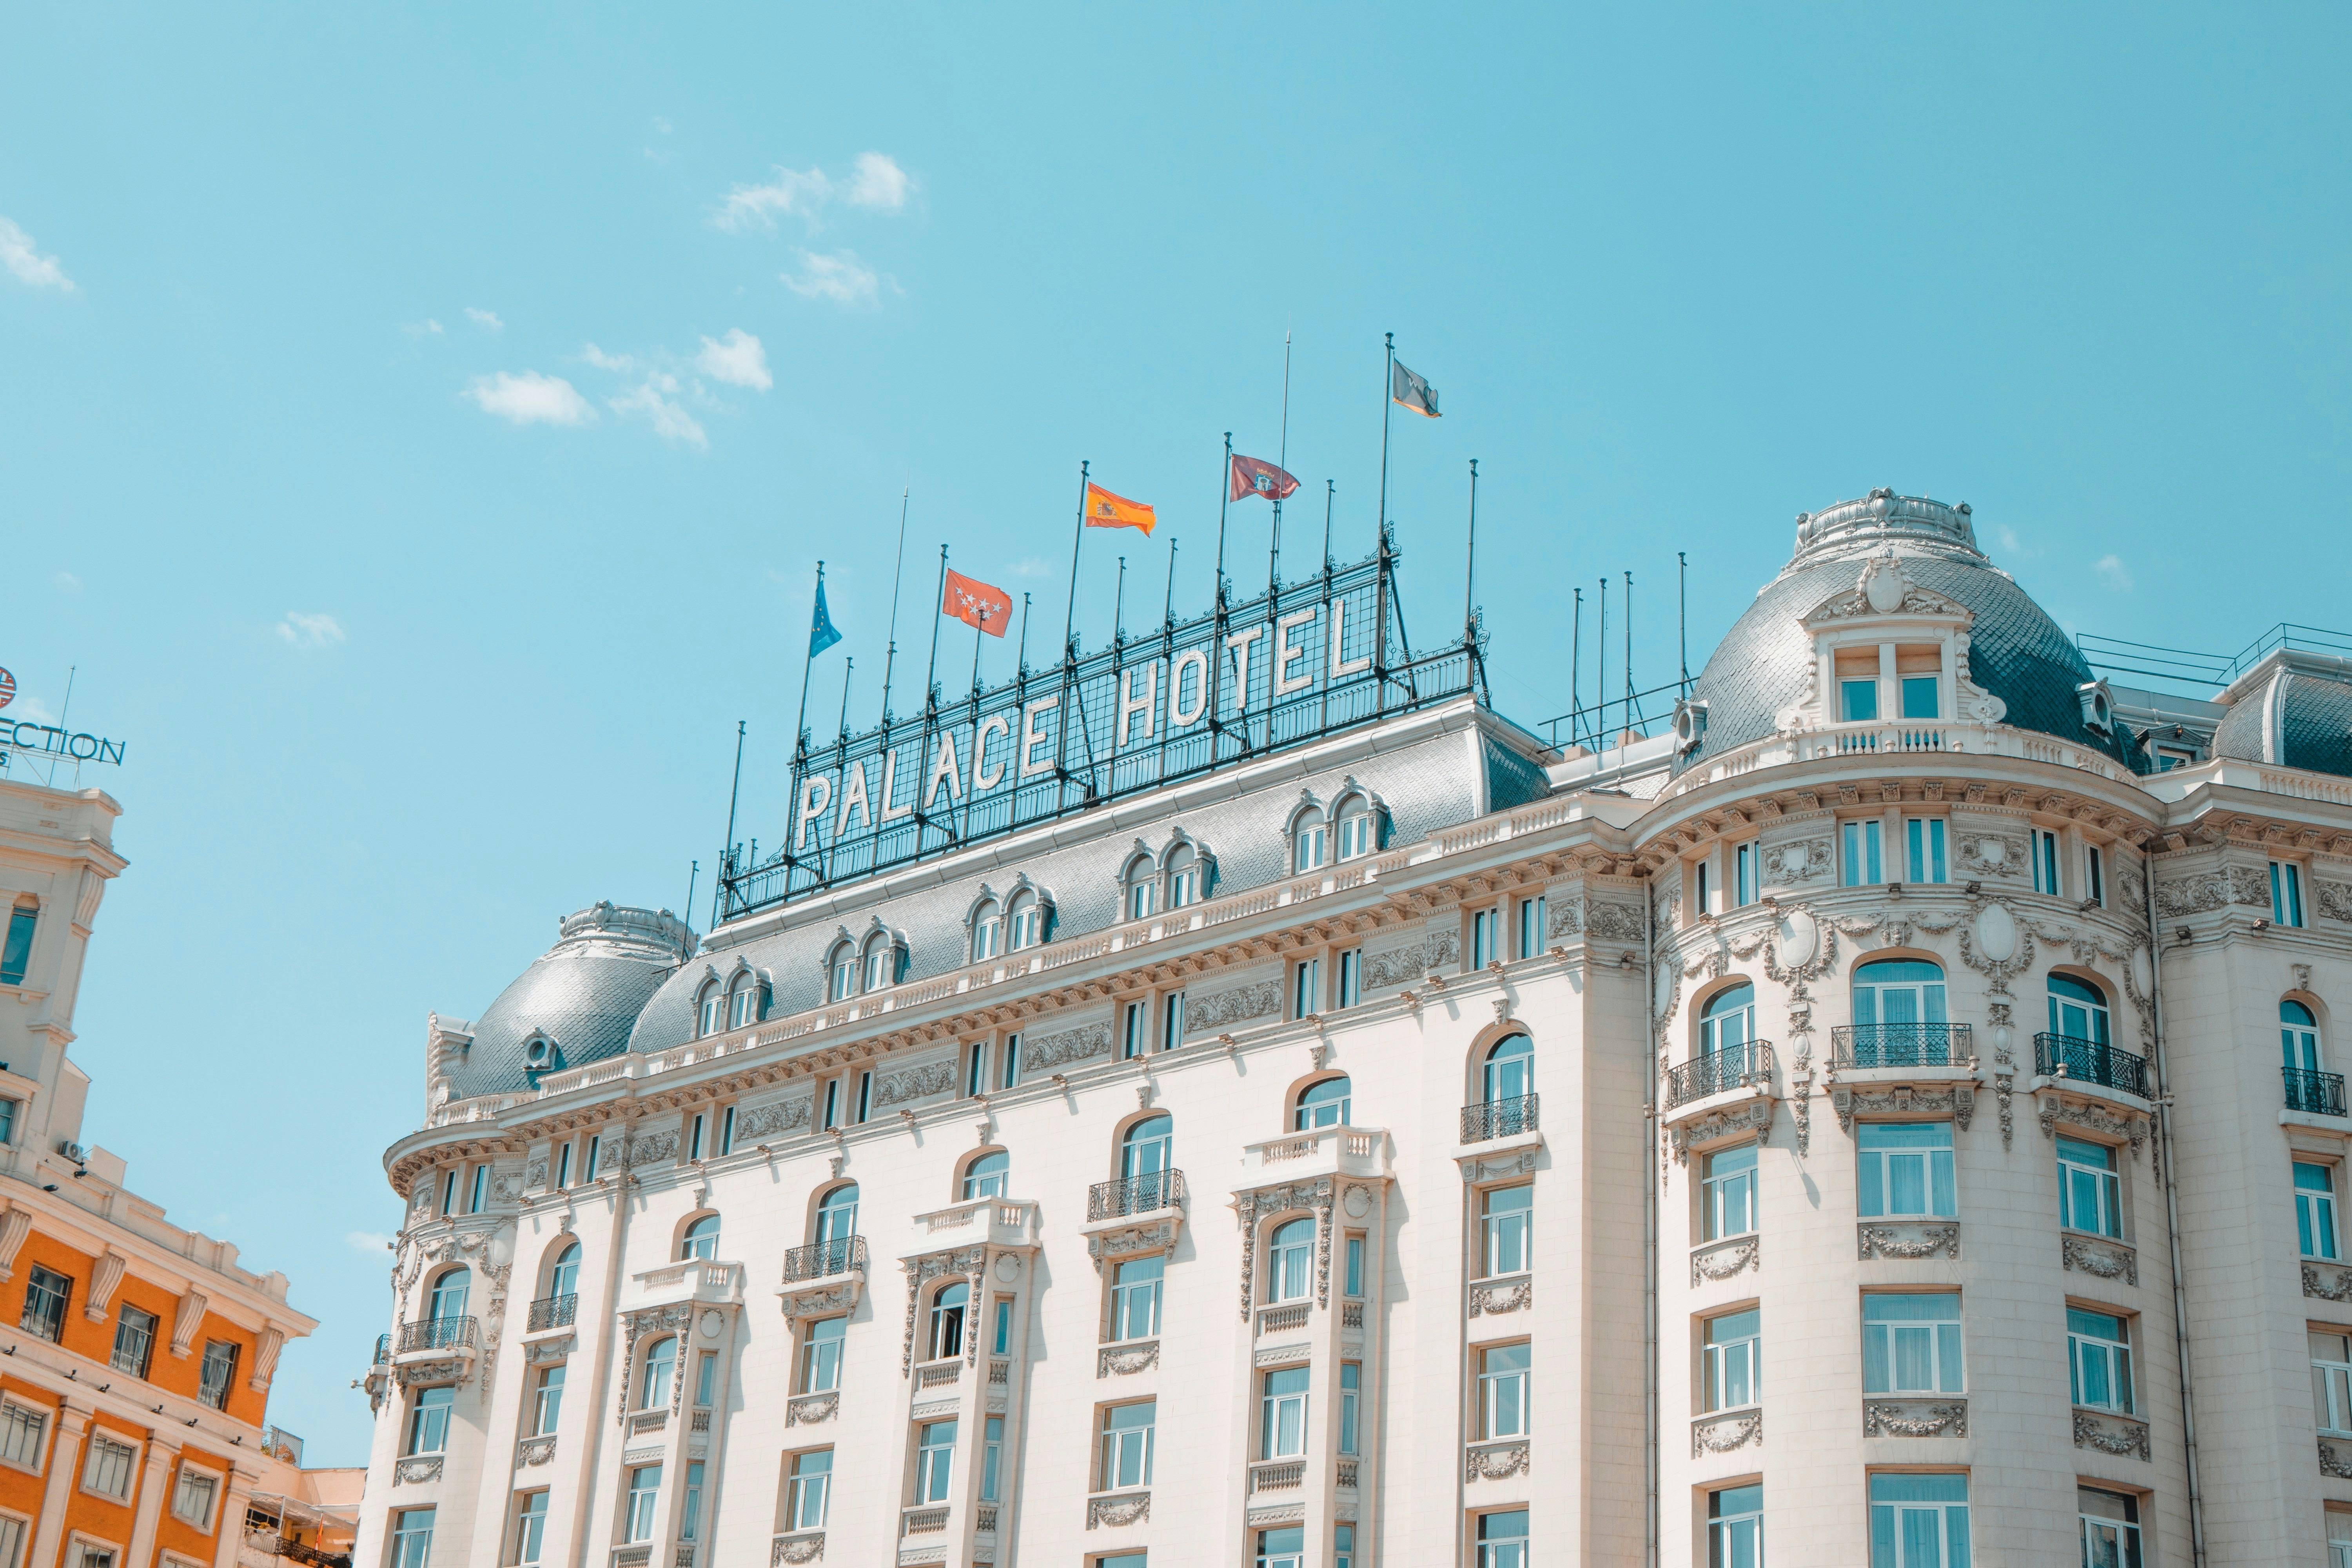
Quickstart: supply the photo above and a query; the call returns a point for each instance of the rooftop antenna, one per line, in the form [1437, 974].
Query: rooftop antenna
[1600, 680]
[1025, 633]
[1629, 652]
[1575, 660]
[1330, 494]
[897, 575]
[1470, 570]
[1682, 613]
[1282, 460]
[692, 876]
[931, 675]
[1118, 608]
[726, 851]
[1168, 608]
[846, 666]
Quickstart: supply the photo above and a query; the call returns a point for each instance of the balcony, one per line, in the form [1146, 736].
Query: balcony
[1359, 1151]
[2315, 1093]
[551, 1313]
[690, 1282]
[2064, 1057]
[1720, 1072]
[1133, 1195]
[382, 1351]
[1868, 1045]
[438, 1336]
[998, 1222]
[1498, 1118]
[825, 1279]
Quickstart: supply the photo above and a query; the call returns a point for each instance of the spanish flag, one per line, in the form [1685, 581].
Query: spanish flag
[1104, 509]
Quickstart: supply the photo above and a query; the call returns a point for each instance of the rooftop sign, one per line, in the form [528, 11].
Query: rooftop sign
[49, 740]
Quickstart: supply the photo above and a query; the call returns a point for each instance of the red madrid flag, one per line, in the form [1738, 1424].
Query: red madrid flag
[1254, 478]
[976, 604]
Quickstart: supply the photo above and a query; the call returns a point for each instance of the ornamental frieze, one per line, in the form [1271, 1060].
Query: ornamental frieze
[1041, 1053]
[1387, 967]
[2326, 1281]
[1493, 1300]
[2100, 1259]
[1958, 1101]
[1722, 1433]
[1131, 1241]
[2332, 900]
[1223, 1009]
[773, 1117]
[1118, 1512]
[813, 1409]
[2116, 1434]
[1914, 1418]
[918, 1082]
[1906, 1240]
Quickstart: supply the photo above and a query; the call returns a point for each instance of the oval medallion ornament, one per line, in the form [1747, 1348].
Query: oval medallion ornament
[711, 1323]
[1358, 1203]
[1008, 1268]
[1883, 588]
[1667, 975]
[1996, 933]
[1801, 939]
[2142, 973]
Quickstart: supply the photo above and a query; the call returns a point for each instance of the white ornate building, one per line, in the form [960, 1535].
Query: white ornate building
[1889, 1117]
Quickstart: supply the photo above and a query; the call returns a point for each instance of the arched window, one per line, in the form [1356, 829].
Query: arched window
[987, 932]
[743, 1003]
[843, 962]
[1356, 827]
[706, 1010]
[1183, 877]
[2077, 1012]
[1323, 1104]
[1729, 1021]
[1510, 1070]
[564, 1278]
[449, 1294]
[1290, 1261]
[881, 961]
[1308, 834]
[1143, 897]
[1898, 1015]
[986, 1175]
[836, 1214]
[2299, 1038]
[701, 1239]
[1026, 918]
[661, 1370]
[1146, 1157]
[949, 1309]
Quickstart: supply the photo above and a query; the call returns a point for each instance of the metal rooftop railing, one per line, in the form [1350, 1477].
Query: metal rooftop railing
[2209, 672]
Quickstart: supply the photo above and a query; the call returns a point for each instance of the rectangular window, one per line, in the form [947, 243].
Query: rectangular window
[810, 1485]
[1911, 1344]
[1705, 903]
[645, 1494]
[428, 1420]
[412, 1538]
[2314, 1212]
[1743, 865]
[1857, 702]
[547, 1401]
[694, 1138]
[1306, 988]
[992, 1457]
[17, 956]
[1351, 977]
[106, 1471]
[2286, 893]
[975, 1077]
[20, 1436]
[707, 1020]
[1904, 1171]
[2045, 864]
[2331, 1382]
[1727, 1194]
[1731, 1361]
[1282, 1414]
[2098, 871]
[531, 1528]
[727, 1130]
[1355, 1271]
[480, 1196]
[1352, 1384]
[46, 1294]
[864, 1097]
[1172, 1020]
[1012, 1069]
[2110, 1527]
[1343, 1546]
[1003, 1343]
[1861, 868]
[1919, 696]
[1282, 1548]
[1505, 1215]
[563, 1167]
[1531, 926]
[1135, 1298]
[2098, 1361]
[450, 1193]
[1923, 842]
[832, 1103]
[746, 1008]
[7, 1135]
[821, 1354]
[1735, 1526]
[706, 1380]
[1484, 927]
[1135, 1017]
[1503, 1391]
[595, 1144]
[935, 1461]
[192, 1499]
[134, 1342]
[219, 1370]
[691, 1505]
[1127, 1445]
[2090, 1196]
[1503, 1540]
[1919, 1520]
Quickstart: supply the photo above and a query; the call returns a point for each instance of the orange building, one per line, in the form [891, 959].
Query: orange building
[135, 1357]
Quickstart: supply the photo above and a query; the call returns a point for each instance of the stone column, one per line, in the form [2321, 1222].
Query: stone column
[237, 1492]
[154, 1482]
[58, 1485]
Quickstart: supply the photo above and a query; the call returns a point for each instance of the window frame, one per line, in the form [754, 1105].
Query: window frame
[1925, 860]
[106, 1445]
[1277, 1405]
[2315, 1211]
[935, 1460]
[1125, 1295]
[1860, 863]
[2286, 893]
[1714, 1186]
[2112, 1357]
[201, 1521]
[1115, 1445]
[43, 1315]
[1941, 1331]
[1500, 1406]
[1948, 1511]
[1875, 1171]
[2105, 1184]
[144, 1361]
[1731, 1364]
[800, 1482]
[1499, 1230]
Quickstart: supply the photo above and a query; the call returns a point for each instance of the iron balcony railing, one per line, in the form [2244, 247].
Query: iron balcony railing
[1734, 1067]
[1498, 1118]
[439, 1334]
[553, 1311]
[2317, 1093]
[2090, 1061]
[838, 1255]
[383, 1349]
[1900, 1046]
[1135, 1195]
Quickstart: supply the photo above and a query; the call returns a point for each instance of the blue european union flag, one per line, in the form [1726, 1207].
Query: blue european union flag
[821, 633]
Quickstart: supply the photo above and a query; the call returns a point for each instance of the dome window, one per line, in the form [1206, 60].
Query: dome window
[987, 931]
[541, 1053]
[2098, 706]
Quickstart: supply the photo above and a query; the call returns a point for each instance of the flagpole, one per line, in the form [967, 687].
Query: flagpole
[1629, 652]
[931, 675]
[976, 633]
[897, 575]
[1118, 608]
[1600, 676]
[1470, 572]
[1077, 537]
[1575, 670]
[1217, 610]
[799, 726]
[1168, 608]
[1332, 652]
[726, 856]
[1069, 652]
[1682, 613]
[1330, 496]
[847, 665]
[1282, 461]
[1224, 494]
[1022, 671]
[1381, 612]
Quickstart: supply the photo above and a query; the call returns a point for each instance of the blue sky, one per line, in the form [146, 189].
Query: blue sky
[418, 426]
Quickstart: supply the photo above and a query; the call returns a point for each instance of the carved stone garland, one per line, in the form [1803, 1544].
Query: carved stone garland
[969, 1261]
[1248, 1207]
[1999, 1008]
[1799, 979]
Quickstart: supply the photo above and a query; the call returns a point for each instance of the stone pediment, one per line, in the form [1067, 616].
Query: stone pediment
[1886, 591]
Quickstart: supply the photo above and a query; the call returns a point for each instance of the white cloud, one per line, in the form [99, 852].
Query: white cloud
[878, 182]
[367, 1241]
[739, 360]
[530, 398]
[1037, 566]
[652, 398]
[32, 709]
[622, 363]
[67, 582]
[840, 277]
[306, 632]
[2114, 572]
[30, 266]
[429, 328]
[487, 319]
[792, 190]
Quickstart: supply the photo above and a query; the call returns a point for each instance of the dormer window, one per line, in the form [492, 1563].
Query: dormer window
[1142, 896]
[843, 966]
[1919, 696]
[1183, 877]
[987, 931]
[1027, 920]
[706, 1014]
[1310, 835]
[881, 962]
[1857, 702]
[1355, 834]
[743, 1005]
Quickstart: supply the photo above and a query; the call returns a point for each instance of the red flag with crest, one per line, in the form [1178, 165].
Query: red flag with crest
[1252, 477]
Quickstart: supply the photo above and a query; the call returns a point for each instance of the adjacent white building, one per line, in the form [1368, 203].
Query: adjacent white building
[1888, 1118]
